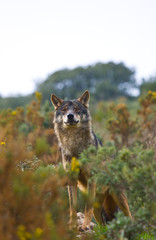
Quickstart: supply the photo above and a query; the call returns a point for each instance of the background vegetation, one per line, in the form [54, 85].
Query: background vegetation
[33, 196]
[104, 81]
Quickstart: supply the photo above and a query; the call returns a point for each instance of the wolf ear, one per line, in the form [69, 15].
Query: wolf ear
[56, 101]
[84, 99]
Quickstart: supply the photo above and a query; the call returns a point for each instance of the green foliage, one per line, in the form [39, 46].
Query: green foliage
[24, 128]
[13, 102]
[41, 146]
[134, 170]
[104, 80]
[146, 236]
[122, 228]
[43, 172]
[148, 85]
[34, 199]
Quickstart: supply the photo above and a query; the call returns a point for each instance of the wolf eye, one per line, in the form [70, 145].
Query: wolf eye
[64, 109]
[76, 109]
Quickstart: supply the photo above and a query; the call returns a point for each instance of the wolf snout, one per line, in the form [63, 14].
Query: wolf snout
[70, 116]
[70, 119]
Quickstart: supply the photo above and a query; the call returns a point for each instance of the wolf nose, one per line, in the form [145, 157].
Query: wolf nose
[70, 116]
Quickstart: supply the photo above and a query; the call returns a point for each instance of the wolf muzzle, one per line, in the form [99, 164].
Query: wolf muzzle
[71, 120]
[70, 117]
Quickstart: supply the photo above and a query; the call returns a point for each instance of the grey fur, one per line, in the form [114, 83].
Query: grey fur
[72, 124]
[73, 137]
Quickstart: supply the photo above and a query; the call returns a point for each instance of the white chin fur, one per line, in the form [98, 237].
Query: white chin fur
[76, 124]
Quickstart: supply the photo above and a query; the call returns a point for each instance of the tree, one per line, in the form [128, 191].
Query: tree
[148, 85]
[103, 80]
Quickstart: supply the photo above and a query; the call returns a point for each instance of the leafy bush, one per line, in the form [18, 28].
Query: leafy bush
[134, 170]
[33, 196]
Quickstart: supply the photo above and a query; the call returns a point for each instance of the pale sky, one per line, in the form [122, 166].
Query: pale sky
[38, 37]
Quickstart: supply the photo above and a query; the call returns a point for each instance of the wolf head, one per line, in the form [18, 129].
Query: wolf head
[71, 113]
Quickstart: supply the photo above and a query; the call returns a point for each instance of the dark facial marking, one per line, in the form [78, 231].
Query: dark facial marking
[75, 106]
[63, 108]
[82, 109]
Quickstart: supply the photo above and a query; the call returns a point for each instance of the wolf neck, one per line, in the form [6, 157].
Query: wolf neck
[74, 140]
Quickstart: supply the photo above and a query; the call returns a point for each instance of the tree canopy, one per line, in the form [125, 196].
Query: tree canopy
[148, 85]
[103, 80]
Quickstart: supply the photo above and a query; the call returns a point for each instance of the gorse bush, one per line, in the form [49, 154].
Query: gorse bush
[132, 170]
[30, 200]
[33, 196]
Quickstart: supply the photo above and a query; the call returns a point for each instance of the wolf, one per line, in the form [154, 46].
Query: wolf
[73, 128]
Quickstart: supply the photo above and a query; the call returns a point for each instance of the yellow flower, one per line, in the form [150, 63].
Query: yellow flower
[28, 235]
[75, 165]
[21, 228]
[96, 205]
[22, 233]
[3, 143]
[38, 232]
[153, 94]
[14, 113]
[38, 96]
